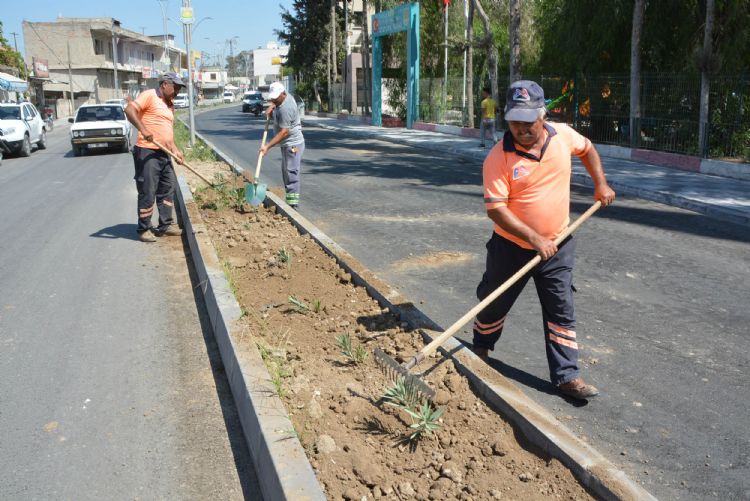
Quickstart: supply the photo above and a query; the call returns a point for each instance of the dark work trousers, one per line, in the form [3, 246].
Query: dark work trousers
[291, 167]
[554, 286]
[155, 181]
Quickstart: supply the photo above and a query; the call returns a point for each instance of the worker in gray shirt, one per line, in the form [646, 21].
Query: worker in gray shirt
[288, 135]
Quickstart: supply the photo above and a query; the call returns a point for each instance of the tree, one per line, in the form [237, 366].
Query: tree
[10, 57]
[514, 35]
[488, 44]
[705, 66]
[470, 66]
[635, 71]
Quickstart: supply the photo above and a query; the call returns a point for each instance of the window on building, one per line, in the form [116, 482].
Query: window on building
[98, 47]
[212, 76]
[360, 87]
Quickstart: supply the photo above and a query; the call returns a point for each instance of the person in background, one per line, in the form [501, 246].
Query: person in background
[488, 117]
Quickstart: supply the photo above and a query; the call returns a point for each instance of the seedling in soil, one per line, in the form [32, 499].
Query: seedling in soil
[356, 355]
[285, 257]
[299, 305]
[426, 421]
[228, 273]
[402, 395]
[317, 306]
[237, 196]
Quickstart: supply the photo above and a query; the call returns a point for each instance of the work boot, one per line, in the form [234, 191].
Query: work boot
[171, 231]
[578, 389]
[483, 353]
[146, 236]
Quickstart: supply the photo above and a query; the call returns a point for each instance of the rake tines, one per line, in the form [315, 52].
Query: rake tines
[396, 371]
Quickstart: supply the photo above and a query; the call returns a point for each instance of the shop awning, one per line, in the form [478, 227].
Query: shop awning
[12, 84]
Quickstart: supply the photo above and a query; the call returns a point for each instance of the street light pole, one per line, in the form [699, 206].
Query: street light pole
[163, 4]
[188, 32]
[114, 58]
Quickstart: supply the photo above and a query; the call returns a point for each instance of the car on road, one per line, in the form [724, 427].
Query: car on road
[228, 96]
[181, 100]
[99, 126]
[250, 100]
[22, 126]
[300, 105]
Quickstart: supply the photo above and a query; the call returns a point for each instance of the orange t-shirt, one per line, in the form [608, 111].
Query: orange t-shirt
[536, 190]
[156, 116]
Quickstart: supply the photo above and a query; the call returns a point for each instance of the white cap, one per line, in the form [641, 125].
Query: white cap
[275, 90]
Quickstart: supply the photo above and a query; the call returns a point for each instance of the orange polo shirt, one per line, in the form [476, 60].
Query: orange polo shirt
[536, 190]
[156, 116]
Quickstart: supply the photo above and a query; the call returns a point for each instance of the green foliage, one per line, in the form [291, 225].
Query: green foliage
[402, 394]
[355, 354]
[9, 56]
[285, 257]
[298, 304]
[425, 421]
[425, 418]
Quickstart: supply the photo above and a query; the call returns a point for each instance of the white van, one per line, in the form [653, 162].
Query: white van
[228, 96]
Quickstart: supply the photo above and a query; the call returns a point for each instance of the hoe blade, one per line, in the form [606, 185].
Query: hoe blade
[395, 370]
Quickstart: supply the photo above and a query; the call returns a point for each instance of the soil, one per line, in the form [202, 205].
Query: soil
[358, 445]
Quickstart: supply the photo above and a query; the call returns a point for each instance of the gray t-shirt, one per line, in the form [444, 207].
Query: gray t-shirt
[286, 116]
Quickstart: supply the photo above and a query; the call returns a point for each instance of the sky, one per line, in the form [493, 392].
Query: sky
[253, 21]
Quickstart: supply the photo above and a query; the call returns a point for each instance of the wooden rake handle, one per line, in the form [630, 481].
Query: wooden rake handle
[427, 350]
[262, 144]
[162, 148]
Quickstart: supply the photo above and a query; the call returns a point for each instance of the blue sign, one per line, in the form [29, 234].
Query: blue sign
[391, 21]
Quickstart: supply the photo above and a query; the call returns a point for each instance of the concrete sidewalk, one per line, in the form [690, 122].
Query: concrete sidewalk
[719, 197]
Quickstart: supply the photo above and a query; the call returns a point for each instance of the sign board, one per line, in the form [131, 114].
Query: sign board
[392, 21]
[146, 72]
[186, 15]
[41, 67]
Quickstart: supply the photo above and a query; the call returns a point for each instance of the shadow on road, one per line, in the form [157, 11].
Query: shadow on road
[122, 230]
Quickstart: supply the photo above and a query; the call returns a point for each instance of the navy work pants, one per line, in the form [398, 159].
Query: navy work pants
[554, 286]
[291, 170]
[155, 181]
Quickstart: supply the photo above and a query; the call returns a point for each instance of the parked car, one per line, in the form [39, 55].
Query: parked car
[21, 126]
[99, 126]
[228, 96]
[121, 102]
[251, 100]
[300, 105]
[181, 100]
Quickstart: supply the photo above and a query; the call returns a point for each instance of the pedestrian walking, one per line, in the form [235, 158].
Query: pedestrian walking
[288, 135]
[152, 113]
[488, 117]
[527, 196]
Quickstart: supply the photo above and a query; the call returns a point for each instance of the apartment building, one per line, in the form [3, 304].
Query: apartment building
[260, 68]
[82, 54]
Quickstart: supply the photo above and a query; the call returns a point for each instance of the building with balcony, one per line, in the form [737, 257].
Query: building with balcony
[82, 54]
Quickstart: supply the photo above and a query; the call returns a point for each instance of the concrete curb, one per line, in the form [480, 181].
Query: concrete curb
[538, 426]
[282, 467]
[578, 177]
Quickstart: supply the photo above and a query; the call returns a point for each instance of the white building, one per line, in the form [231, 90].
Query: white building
[260, 69]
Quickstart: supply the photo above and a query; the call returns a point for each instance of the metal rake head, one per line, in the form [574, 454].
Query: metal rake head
[394, 370]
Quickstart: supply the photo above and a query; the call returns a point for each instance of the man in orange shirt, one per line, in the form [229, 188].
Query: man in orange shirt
[152, 113]
[527, 196]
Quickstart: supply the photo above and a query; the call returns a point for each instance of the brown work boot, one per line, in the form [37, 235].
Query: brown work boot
[578, 389]
[483, 353]
[171, 231]
[146, 236]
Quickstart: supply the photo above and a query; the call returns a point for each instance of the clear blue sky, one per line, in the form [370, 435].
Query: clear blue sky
[252, 21]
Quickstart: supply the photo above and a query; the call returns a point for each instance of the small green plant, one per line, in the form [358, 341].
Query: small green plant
[355, 354]
[426, 421]
[237, 196]
[298, 304]
[228, 274]
[317, 307]
[285, 257]
[402, 395]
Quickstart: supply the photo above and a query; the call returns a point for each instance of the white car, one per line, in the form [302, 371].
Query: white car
[21, 125]
[180, 100]
[100, 126]
[121, 102]
[228, 96]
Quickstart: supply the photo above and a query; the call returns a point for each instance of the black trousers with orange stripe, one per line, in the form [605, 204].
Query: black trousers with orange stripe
[155, 181]
[554, 286]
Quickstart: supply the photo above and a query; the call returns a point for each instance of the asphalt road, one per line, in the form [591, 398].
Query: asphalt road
[662, 300]
[110, 384]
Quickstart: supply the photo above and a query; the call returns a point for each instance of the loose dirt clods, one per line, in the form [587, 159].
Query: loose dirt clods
[358, 446]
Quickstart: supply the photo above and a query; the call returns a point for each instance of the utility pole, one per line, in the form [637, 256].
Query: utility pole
[114, 58]
[163, 4]
[70, 78]
[466, 42]
[445, 57]
[187, 29]
[15, 43]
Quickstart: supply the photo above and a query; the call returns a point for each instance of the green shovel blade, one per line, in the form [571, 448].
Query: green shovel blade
[255, 193]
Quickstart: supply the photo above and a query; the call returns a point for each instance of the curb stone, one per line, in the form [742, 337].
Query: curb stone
[601, 477]
[280, 462]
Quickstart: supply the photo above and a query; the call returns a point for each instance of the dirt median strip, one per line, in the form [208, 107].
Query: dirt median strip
[539, 427]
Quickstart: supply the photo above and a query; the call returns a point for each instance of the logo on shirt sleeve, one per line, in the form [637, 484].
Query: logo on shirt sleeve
[519, 172]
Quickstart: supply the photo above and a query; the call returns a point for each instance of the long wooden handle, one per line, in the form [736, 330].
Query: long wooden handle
[162, 148]
[262, 144]
[427, 350]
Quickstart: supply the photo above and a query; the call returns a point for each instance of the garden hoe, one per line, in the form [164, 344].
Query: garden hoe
[396, 370]
[255, 193]
[162, 148]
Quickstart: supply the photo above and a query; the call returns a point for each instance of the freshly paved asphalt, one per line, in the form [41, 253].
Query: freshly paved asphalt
[662, 297]
[110, 384]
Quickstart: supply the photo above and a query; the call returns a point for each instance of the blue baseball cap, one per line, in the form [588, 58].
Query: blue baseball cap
[173, 77]
[523, 101]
